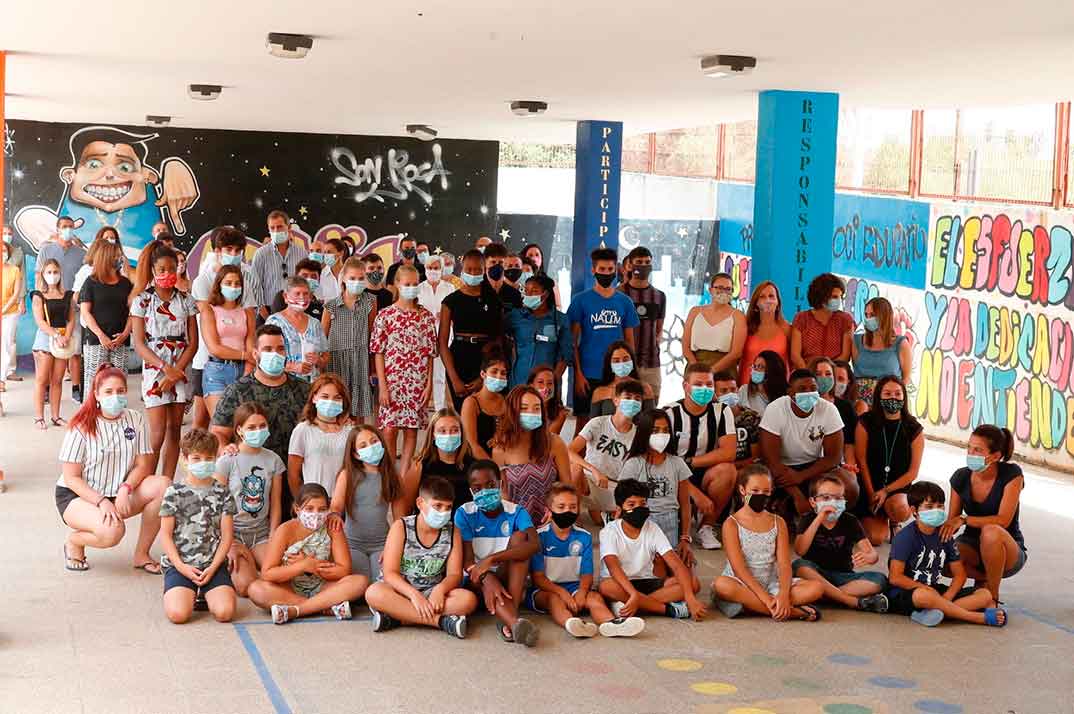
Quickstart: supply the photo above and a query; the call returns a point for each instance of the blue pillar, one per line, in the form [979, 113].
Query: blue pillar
[794, 194]
[598, 166]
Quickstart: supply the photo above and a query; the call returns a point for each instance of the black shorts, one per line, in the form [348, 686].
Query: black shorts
[174, 579]
[697, 477]
[901, 602]
[64, 496]
[195, 383]
[582, 406]
[647, 586]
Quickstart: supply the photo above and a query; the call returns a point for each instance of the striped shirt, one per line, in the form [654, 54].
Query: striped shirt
[694, 435]
[273, 269]
[109, 455]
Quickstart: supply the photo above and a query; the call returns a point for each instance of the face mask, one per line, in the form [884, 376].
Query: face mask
[513, 274]
[328, 408]
[355, 287]
[702, 395]
[66, 233]
[410, 253]
[271, 363]
[314, 283]
[448, 442]
[376, 277]
[495, 384]
[934, 517]
[329, 260]
[659, 442]
[409, 292]
[637, 517]
[721, 298]
[825, 384]
[841, 388]
[524, 278]
[52, 278]
[839, 504]
[317, 257]
[622, 369]
[436, 519]
[166, 281]
[255, 437]
[7, 237]
[481, 249]
[629, 407]
[228, 259]
[872, 324]
[729, 400]
[298, 306]
[976, 462]
[806, 400]
[423, 257]
[312, 520]
[279, 237]
[201, 469]
[488, 499]
[758, 502]
[472, 280]
[756, 376]
[433, 276]
[449, 268]
[604, 280]
[565, 519]
[530, 422]
[372, 454]
[642, 272]
[531, 301]
[767, 305]
[891, 406]
[495, 272]
[835, 304]
[230, 293]
[113, 404]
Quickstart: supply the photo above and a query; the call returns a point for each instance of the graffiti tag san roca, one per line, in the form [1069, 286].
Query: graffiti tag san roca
[402, 174]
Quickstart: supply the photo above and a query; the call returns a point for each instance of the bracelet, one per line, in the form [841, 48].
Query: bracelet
[686, 538]
[126, 486]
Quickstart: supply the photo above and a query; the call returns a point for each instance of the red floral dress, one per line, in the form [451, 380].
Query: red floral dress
[407, 339]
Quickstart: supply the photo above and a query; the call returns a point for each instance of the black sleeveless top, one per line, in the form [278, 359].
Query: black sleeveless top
[56, 309]
[455, 474]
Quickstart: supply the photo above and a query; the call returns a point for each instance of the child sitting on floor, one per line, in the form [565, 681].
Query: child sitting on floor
[420, 584]
[195, 532]
[636, 557]
[831, 543]
[307, 569]
[919, 556]
[758, 571]
[562, 573]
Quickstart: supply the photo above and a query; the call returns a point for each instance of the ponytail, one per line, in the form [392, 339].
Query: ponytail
[999, 439]
[85, 419]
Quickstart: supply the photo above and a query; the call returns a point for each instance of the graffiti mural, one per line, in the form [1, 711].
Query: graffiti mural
[881, 238]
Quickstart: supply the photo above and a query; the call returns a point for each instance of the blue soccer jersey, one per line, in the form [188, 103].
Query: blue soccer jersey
[564, 562]
[490, 535]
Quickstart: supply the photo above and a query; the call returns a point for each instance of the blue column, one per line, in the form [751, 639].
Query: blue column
[598, 166]
[794, 194]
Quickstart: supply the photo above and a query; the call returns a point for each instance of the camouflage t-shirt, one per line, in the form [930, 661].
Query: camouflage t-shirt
[197, 513]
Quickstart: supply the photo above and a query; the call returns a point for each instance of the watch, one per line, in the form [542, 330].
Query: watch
[686, 538]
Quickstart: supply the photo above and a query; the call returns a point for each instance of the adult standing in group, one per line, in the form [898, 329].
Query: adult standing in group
[451, 271]
[11, 287]
[107, 462]
[431, 294]
[304, 334]
[104, 304]
[599, 316]
[824, 330]
[879, 352]
[276, 260]
[335, 253]
[310, 271]
[541, 333]
[54, 313]
[348, 323]
[495, 259]
[408, 252]
[651, 304]
[69, 252]
[470, 318]
[715, 334]
[766, 329]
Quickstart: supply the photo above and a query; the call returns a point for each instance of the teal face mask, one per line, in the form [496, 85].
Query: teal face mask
[530, 422]
[629, 407]
[448, 442]
[436, 519]
[975, 462]
[825, 384]
[230, 293]
[255, 437]
[113, 404]
[329, 260]
[757, 376]
[495, 384]
[872, 324]
[933, 517]
[472, 280]
[622, 369]
[372, 454]
[702, 395]
[488, 499]
[328, 408]
[227, 259]
[531, 301]
[272, 363]
[806, 401]
[355, 287]
[201, 469]
[317, 257]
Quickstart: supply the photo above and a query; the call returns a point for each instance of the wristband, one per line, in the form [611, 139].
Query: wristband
[127, 486]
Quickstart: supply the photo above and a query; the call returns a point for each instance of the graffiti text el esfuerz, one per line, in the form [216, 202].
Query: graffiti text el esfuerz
[393, 177]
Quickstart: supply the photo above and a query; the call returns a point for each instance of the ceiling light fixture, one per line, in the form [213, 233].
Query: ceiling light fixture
[287, 45]
[421, 131]
[204, 92]
[158, 120]
[727, 65]
[528, 108]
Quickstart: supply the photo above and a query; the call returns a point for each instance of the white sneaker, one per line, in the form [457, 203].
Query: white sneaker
[706, 535]
[579, 627]
[623, 627]
[342, 611]
[616, 606]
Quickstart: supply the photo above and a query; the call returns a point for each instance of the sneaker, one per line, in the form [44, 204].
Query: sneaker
[525, 632]
[76, 394]
[928, 618]
[342, 611]
[281, 614]
[580, 628]
[454, 625]
[622, 627]
[382, 622]
[678, 610]
[706, 536]
[874, 603]
[616, 606]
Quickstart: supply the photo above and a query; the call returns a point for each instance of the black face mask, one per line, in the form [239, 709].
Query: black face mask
[642, 272]
[565, 519]
[410, 253]
[513, 274]
[496, 272]
[758, 502]
[375, 277]
[891, 406]
[637, 517]
[604, 280]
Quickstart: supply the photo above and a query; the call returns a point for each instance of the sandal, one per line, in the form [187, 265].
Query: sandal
[40, 422]
[77, 565]
[812, 613]
[505, 633]
[58, 421]
[991, 615]
[150, 566]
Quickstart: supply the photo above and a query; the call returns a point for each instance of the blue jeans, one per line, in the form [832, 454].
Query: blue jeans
[217, 375]
[839, 578]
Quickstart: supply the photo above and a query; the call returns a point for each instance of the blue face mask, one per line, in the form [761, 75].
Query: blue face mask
[230, 293]
[279, 237]
[629, 407]
[113, 404]
[472, 280]
[757, 376]
[835, 304]
[622, 369]
[355, 287]
[806, 400]
[409, 292]
[314, 283]
[201, 469]
[702, 395]
[372, 454]
[448, 442]
[526, 275]
[488, 499]
[495, 384]
[531, 301]
[934, 517]
[328, 408]
[272, 363]
[317, 257]
[976, 462]
[729, 400]
[423, 257]
[872, 324]
[228, 259]
[825, 384]
[255, 437]
[839, 504]
[530, 422]
[436, 519]
[329, 260]
[449, 269]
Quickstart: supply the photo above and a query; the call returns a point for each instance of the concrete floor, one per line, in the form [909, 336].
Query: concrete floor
[98, 642]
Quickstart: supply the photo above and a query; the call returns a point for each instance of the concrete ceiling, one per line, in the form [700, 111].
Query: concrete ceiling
[455, 65]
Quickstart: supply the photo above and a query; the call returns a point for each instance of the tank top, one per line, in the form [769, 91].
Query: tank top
[877, 363]
[455, 475]
[713, 338]
[528, 484]
[486, 426]
[367, 520]
[424, 566]
[230, 327]
[759, 552]
[56, 309]
[754, 346]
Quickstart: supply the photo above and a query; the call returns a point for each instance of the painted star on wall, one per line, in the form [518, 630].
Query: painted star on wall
[303, 210]
[505, 234]
[683, 232]
[264, 170]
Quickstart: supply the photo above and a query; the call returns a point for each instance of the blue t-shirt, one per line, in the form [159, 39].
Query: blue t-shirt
[603, 321]
[564, 562]
[490, 535]
[923, 555]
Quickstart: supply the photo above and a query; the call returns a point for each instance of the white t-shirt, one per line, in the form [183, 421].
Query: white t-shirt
[802, 439]
[109, 455]
[322, 453]
[328, 287]
[635, 554]
[200, 289]
[607, 447]
[431, 299]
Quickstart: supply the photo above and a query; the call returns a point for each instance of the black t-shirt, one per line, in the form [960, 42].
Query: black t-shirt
[108, 305]
[850, 419]
[509, 296]
[476, 314]
[832, 548]
[315, 308]
[748, 428]
[961, 483]
[889, 445]
[394, 268]
[384, 297]
[56, 309]
[455, 474]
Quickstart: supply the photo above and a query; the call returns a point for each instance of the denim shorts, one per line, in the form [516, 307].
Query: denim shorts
[839, 578]
[218, 375]
[174, 579]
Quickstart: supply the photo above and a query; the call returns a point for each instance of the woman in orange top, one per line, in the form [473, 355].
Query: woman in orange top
[766, 328]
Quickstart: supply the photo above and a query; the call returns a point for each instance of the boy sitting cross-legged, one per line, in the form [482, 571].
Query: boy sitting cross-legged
[629, 546]
[562, 572]
[422, 568]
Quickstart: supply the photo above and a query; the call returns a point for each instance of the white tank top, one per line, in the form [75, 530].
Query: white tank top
[712, 337]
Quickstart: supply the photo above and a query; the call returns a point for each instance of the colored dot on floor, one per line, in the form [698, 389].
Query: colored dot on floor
[802, 683]
[842, 708]
[892, 682]
[679, 665]
[935, 706]
[767, 660]
[749, 710]
[849, 659]
[714, 688]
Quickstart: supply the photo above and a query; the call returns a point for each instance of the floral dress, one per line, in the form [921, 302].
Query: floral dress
[313, 340]
[166, 337]
[407, 339]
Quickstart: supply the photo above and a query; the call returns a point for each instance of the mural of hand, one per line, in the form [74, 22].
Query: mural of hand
[37, 225]
[179, 191]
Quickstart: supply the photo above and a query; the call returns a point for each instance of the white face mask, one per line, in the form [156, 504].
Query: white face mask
[659, 442]
[52, 278]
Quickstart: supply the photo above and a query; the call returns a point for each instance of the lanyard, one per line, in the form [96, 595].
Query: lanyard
[890, 451]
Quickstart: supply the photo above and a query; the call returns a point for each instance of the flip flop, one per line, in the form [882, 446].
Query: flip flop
[992, 617]
[525, 632]
[76, 565]
[505, 633]
[41, 426]
[151, 566]
[813, 613]
[58, 421]
[928, 618]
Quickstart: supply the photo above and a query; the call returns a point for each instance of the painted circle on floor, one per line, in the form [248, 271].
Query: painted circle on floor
[849, 659]
[844, 708]
[892, 682]
[935, 706]
[679, 665]
[714, 689]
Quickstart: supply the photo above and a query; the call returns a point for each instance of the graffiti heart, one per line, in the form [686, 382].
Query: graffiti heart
[355, 234]
[402, 175]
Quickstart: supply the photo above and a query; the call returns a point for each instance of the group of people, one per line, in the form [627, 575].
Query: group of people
[312, 373]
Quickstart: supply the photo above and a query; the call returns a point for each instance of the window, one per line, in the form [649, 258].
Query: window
[687, 152]
[539, 156]
[873, 152]
[636, 154]
[739, 151]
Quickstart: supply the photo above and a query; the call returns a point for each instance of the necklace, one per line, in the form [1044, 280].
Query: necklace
[890, 451]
